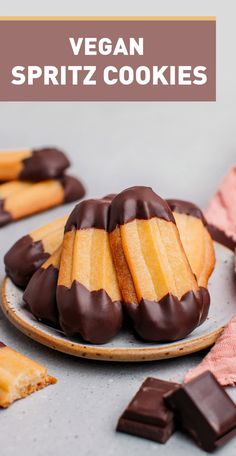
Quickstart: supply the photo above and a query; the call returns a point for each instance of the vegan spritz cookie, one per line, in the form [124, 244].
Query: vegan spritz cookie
[32, 164]
[158, 286]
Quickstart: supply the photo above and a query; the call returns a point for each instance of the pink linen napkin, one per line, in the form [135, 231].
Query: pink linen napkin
[221, 211]
[221, 360]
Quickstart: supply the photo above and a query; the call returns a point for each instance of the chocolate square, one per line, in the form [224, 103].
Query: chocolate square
[204, 410]
[147, 415]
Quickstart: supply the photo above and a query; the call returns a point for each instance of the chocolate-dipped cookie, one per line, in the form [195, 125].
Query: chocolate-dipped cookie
[32, 164]
[160, 291]
[40, 293]
[32, 250]
[20, 199]
[19, 376]
[88, 296]
[196, 240]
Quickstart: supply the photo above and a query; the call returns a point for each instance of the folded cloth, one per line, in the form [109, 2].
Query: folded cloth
[221, 211]
[221, 360]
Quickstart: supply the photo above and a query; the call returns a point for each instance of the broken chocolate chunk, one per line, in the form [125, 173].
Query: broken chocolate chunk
[204, 410]
[147, 414]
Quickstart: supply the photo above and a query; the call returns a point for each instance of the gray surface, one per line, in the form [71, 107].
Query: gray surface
[181, 149]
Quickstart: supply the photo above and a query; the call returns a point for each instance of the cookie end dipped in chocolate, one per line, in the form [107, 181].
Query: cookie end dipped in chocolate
[88, 300]
[5, 216]
[185, 207]
[170, 318]
[91, 213]
[91, 314]
[40, 295]
[73, 188]
[46, 163]
[23, 259]
[137, 203]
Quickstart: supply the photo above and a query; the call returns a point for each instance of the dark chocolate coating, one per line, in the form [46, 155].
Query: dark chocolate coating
[5, 216]
[138, 203]
[90, 314]
[109, 197]
[91, 213]
[147, 414]
[185, 207]
[169, 319]
[23, 259]
[44, 164]
[204, 410]
[2, 345]
[221, 237]
[73, 188]
[40, 295]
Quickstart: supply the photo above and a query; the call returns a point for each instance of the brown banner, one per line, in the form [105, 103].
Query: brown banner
[108, 60]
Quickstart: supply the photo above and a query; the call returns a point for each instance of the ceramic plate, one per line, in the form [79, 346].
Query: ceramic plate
[125, 347]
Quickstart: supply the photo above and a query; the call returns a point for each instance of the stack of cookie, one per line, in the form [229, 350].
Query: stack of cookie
[129, 254]
[32, 181]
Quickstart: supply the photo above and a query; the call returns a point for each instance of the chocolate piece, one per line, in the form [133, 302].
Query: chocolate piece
[73, 188]
[40, 295]
[185, 207]
[204, 410]
[138, 203]
[91, 213]
[2, 345]
[44, 164]
[169, 319]
[147, 415]
[23, 259]
[89, 313]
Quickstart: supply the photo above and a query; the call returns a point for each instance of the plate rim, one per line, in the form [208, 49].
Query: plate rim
[121, 354]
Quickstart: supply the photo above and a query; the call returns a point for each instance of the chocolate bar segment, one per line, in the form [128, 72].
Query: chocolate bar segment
[204, 410]
[147, 415]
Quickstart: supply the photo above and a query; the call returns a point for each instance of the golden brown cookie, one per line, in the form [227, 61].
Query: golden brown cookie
[88, 296]
[19, 376]
[196, 240]
[20, 199]
[32, 250]
[32, 164]
[159, 289]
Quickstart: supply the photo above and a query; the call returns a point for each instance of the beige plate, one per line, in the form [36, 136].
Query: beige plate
[125, 347]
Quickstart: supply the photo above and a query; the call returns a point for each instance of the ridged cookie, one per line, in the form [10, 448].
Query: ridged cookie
[160, 291]
[88, 296]
[21, 199]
